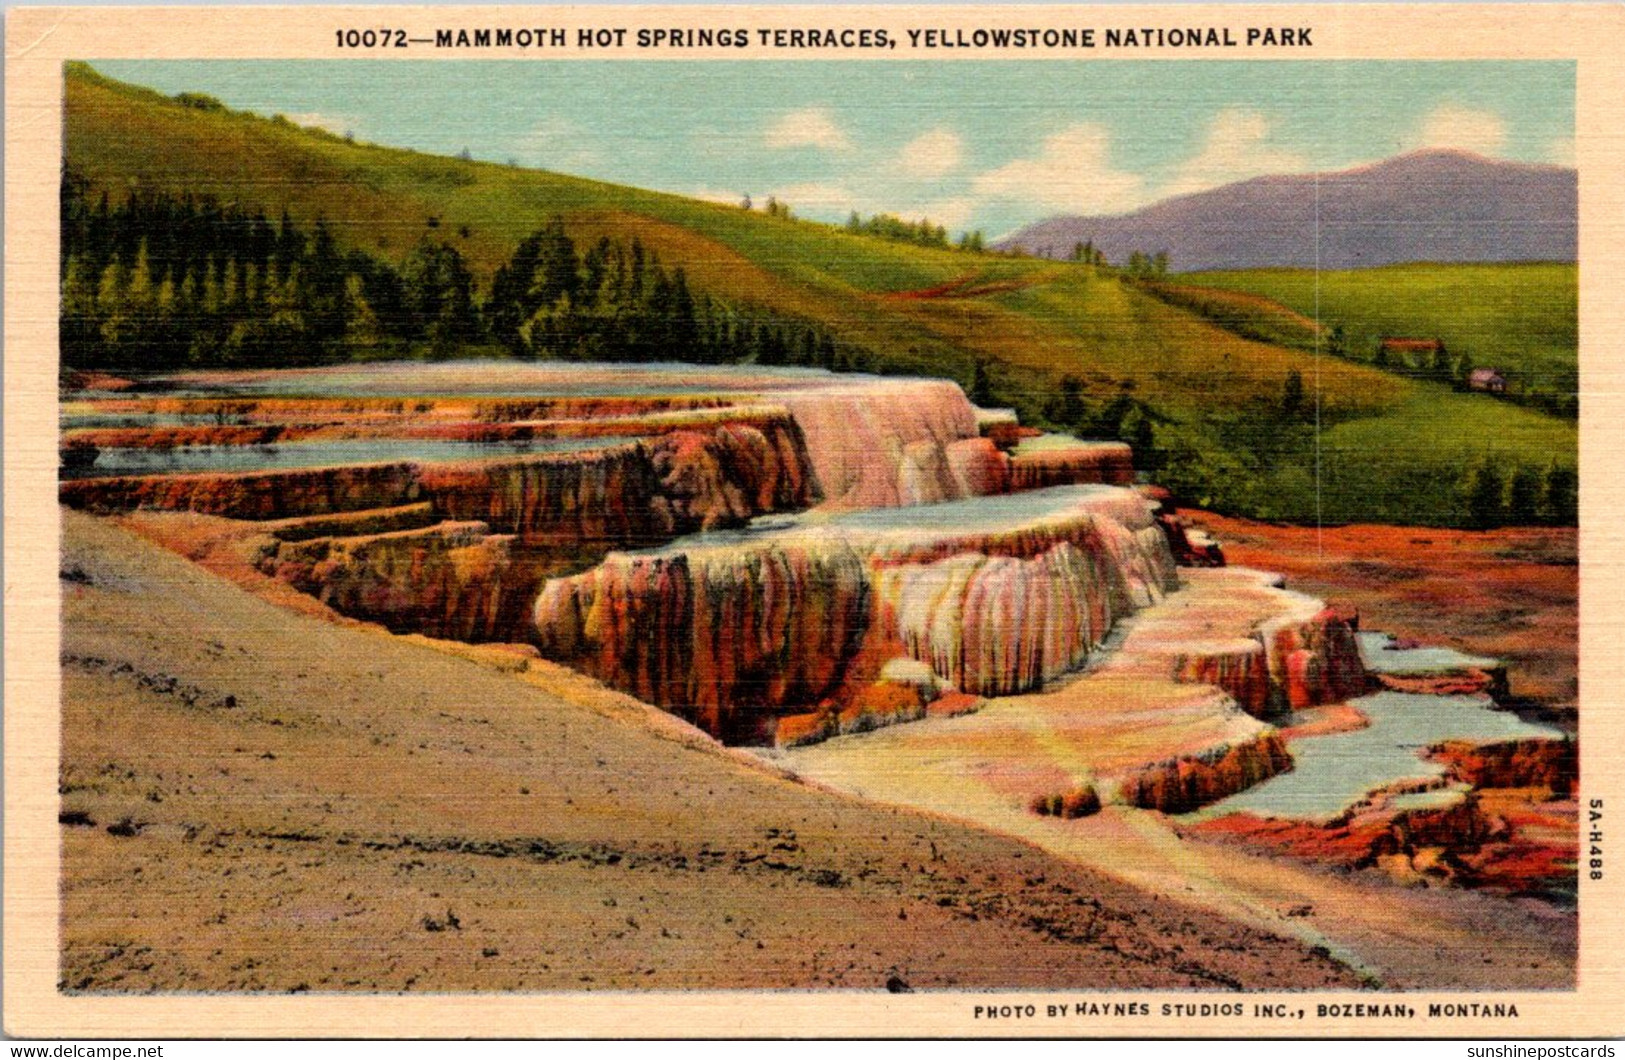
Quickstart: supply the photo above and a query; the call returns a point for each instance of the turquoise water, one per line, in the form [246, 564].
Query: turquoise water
[1006, 511]
[1336, 771]
[80, 420]
[290, 455]
[1002, 511]
[1380, 657]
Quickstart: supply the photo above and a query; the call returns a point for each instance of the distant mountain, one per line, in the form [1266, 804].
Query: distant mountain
[1446, 206]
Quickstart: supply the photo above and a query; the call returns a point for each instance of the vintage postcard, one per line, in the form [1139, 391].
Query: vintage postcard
[862, 521]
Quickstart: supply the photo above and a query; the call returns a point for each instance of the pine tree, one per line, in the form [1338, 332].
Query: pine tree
[1337, 341]
[80, 322]
[1069, 410]
[1523, 496]
[1441, 370]
[1141, 436]
[211, 297]
[1562, 501]
[139, 291]
[1292, 395]
[1486, 500]
[980, 390]
[78, 296]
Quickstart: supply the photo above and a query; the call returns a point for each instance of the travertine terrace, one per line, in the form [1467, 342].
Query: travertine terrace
[785, 558]
[604, 514]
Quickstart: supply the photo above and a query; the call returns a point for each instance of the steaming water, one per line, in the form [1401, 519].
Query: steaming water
[290, 455]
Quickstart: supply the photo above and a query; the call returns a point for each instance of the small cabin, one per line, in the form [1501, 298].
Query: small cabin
[1488, 380]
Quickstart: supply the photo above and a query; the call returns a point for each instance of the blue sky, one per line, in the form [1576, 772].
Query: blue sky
[990, 145]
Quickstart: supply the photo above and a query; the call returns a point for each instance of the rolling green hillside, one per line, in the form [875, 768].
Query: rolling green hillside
[1519, 318]
[1208, 400]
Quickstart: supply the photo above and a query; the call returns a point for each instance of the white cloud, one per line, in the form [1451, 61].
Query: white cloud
[557, 143]
[953, 214]
[1561, 151]
[1452, 125]
[710, 194]
[812, 197]
[810, 127]
[337, 124]
[1073, 172]
[1237, 147]
[931, 154]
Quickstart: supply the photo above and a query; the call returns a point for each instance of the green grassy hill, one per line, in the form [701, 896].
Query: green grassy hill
[1520, 318]
[1209, 400]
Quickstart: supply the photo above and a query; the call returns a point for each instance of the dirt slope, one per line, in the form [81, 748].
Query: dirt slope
[261, 800]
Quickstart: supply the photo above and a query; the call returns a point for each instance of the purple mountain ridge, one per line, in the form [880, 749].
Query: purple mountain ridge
[1434, 205]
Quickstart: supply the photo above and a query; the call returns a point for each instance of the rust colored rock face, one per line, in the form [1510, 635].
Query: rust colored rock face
[1550, 764]
[1190, 549]
[629, 494]
[716, 634]
[1186, 784]
[996, 625]
[1241, 672]
[1241, 631]
[978, 468]
[1108, 463]
[605, 495]
[453, 580]
[251, 495]
[884, 445]
[1316, 659]
[720, 630]
[725, 476]
[1069, 805]
[1515, 840]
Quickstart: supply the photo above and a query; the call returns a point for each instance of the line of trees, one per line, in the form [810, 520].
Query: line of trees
[617, 302]
[1087, 253]
[1144, 266]
[1524, 497]
[1555, 397]
[921, 233]
[157, 282]
[160, 281]
[1123, 417]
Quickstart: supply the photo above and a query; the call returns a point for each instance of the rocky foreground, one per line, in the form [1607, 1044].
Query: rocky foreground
[255, 799]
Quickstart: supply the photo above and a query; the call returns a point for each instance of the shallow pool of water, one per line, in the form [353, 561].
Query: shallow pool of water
[1333, 772]
[1056, 443]
[289, 455]
[72, 421]
[974, 515]
[1378, 653]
